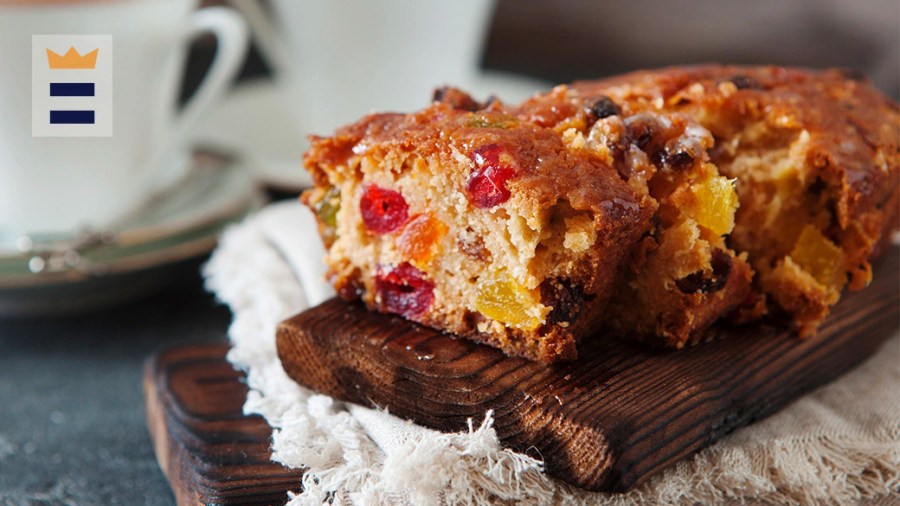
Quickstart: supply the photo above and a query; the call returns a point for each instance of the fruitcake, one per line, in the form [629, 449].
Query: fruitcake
[654, 204]
[476, 223]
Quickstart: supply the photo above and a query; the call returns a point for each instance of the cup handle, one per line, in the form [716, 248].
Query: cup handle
[231, 35]
[264, 33]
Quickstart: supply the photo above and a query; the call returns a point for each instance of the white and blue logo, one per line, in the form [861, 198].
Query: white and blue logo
[71, 80]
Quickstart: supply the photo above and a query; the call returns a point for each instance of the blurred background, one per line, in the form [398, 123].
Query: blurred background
[580, 39]
[566, 40]
[72, 424]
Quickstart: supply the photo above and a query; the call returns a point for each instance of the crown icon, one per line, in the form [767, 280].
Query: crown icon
[72, 60]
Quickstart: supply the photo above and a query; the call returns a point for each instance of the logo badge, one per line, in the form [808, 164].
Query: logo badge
[71, 85]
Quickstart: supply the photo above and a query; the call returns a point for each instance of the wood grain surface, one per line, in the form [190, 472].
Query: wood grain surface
[210, 452]
[605, 422]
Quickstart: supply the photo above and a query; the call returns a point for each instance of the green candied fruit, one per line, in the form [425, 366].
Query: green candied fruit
[326, 209]
[491, 121]
[328, 206]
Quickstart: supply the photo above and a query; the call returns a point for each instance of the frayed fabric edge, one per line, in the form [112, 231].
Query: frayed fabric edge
[344, 466]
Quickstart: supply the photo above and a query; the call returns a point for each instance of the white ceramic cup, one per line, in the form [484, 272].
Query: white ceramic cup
[55, 186]
[340, 59]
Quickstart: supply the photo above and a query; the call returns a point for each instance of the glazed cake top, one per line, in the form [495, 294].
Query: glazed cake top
[546, 170]
[854, 130]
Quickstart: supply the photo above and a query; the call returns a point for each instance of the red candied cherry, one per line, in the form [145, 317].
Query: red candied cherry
[382, 210]
[487, 183]
[403, 290]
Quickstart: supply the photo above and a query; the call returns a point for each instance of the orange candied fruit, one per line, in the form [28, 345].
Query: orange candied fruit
[419, 239]
[820, 257]
[716, 203]
[505, 300]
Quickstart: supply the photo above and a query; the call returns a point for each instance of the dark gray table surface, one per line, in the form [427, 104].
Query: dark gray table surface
[72, 427]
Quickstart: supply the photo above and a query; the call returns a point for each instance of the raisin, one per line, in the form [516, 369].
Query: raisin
[382, 210]
[457, 99]
[817, 187]
[566, 299]
[698, 282]
[403, 290]
[603, 107]
[692, 283]
[721, 264]
[642, 137]
[641, 129]
[679, 160]
[471, 319]
[743, 82]
[486, 187]
[473, 246]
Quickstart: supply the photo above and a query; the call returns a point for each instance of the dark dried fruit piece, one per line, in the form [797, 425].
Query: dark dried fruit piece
[692, 283]
[566, 299]
[603, 107]
[382, 210]
[699, 282]
[486, 187]
[403, 290]
[641, 129]
[439, 93]
[743, 82]
[679, 160]
[817, 186]
[456, 98]
[473, 246]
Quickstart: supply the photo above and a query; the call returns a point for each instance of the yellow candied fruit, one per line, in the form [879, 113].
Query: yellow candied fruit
[716, 203]
[820, 257]
[510, 303]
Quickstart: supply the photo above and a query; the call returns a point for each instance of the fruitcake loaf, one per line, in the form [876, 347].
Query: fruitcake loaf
[654, 204]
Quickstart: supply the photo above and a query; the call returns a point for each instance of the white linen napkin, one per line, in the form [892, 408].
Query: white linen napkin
[839, 444]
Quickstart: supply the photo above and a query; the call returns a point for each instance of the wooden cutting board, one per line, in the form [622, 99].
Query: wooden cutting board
[608, 421]
[210, 452]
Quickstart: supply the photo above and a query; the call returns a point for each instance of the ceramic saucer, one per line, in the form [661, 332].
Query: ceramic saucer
[97, 268]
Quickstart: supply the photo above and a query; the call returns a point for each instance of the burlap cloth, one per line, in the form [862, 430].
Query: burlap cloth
[837, 445]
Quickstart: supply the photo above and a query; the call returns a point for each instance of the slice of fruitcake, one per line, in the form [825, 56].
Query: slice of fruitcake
[654, 203]
[815, 156]
[478, 223]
